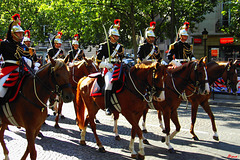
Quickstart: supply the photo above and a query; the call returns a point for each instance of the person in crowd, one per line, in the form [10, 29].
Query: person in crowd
[109, 56]
[56, 51]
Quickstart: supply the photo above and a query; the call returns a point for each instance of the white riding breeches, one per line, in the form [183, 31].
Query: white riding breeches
[107, 78]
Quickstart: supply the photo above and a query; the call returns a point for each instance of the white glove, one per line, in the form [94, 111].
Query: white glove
[175, 63]
[193, 58]
[102, 64]
[28, 61]
[36, 66]
[164, 62]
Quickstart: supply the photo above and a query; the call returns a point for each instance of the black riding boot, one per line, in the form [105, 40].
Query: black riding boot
[107, 96]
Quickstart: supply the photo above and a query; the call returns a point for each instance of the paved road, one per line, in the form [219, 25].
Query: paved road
[63, 144]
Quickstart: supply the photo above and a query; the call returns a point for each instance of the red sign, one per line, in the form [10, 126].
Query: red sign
[197, 40]
[226, 40]
[214, 52]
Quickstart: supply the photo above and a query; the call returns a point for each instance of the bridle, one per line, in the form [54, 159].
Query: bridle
[151, 89]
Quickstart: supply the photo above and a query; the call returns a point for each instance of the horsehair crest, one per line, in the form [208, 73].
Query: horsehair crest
[59, 64]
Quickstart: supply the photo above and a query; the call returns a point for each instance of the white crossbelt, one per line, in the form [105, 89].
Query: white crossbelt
[79, 50]
[56, 54]
[115, 51]
[11, 61]
[150, 54]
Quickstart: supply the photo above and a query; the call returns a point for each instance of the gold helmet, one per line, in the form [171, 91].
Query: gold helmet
[26, 36]
[114, 28]
[58, 38]
[75, 40]
[183, 32]
[149, 32]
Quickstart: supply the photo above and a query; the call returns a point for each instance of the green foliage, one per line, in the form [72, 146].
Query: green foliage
[87, 17]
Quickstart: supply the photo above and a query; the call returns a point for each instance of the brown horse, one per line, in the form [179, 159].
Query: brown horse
[190, 74]
[29, 110]
[215, 70]
[77, 71]
[138, 79]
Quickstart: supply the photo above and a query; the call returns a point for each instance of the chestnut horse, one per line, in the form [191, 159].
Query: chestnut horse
[138, 79]
[190, 74]
[77, 71]
[215, 70]
[29, 109]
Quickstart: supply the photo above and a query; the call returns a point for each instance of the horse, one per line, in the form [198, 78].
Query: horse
[132, 99]
[215, 70]
[190, 74]
[77, 71]
[29, 109]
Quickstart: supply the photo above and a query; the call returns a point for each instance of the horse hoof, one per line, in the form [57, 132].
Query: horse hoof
[83, 143]
[117, 138]
[140, 157]
[195, 138]
[216, 138]
[146, 142]
[102, 150]
[40, 135]
[171, 150]
[62, 117]
[144, 131]
[54, 113]
[164, 131]
[163, 139]
[56, 126]
[97, 121]
[133, 156]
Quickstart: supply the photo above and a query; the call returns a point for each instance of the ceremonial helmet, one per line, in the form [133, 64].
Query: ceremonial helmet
[114, 28]
[75, 40]
[16, 24]
[183, 32]
[58, 38]
[149, 32]
[26, 36]
[186, 25]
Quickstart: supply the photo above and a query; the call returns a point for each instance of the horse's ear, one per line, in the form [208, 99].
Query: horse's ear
[92, 58]
[235, 62]
[52, 61]
[66, 59]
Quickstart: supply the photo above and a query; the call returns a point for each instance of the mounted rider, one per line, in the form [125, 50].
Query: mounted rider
[56, 52]
[27, 41]
[180, 50]
[12, 51]
[148, 50]
[109, 55]
[75, 54]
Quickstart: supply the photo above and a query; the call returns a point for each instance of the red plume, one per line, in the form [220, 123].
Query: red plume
[27, 33]
[117, 21]
[60, 33]
[0, 40]
[76, 37]
[153, 25]
[186, 25]
[16, 16]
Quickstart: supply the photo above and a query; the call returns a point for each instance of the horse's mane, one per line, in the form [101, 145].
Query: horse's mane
[145, 65]
[59, 64]
[181, 68]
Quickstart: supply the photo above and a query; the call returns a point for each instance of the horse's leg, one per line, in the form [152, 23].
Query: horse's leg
[136, 130]
[166, 118]
[59, 111]
[5, 150]
[160, 119]
[174, 118]
[115, 127]
[144, 130]
[93, 126]
[208, 110]
[31, 135]
[83, 132]
[194, 116]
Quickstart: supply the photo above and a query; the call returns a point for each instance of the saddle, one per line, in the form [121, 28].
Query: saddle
[117, 79]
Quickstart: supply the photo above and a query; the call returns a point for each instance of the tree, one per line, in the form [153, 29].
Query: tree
[233, 8]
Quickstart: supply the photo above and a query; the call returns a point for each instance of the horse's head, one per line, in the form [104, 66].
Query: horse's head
[87, 66]
[230, 76]
[60, 79]
[199, 76]
[155, 79]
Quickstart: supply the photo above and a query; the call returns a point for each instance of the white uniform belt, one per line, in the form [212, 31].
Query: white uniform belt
[11, 61]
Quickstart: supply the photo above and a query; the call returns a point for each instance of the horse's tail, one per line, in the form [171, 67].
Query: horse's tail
[80, 106]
